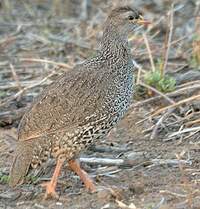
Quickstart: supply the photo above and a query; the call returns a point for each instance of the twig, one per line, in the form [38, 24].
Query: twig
[109, 149]
[169, 162]
[108, 171]
[12, 85]
[185, 137]
[47, 61]
[15, 76]
[159, 204]
[139, 70]
[13, 115]
[127, 162]
[189, 84]
[186, 130]
[163, 117]
[149, 52]
[157, 92]
[176, 104]
[19, 93]
[173, 193]
[166, 56]
[84, 9]
[125, 206]
[193, 122]
[179, 92]
[108, 161]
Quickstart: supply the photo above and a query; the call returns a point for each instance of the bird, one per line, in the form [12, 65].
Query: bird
[81, 106]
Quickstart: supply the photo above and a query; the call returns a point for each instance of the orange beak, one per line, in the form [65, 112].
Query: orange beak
[143, 22]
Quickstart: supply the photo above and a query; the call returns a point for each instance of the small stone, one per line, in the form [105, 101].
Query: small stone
[104, 195]
[38, 206]
[59, 203]
[11, 195]
[136, 188]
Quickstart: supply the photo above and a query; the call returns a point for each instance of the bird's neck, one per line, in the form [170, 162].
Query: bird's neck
[113, 43]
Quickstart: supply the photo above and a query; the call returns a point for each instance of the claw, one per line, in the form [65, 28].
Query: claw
[74, 165]
[51, 185]
[50, 191]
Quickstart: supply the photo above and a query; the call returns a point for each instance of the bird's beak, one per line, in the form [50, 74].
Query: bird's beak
[142, 21]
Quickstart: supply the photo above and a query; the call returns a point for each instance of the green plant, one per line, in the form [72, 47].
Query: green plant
[163, 83]
[4, 179]
[31, 179]
[2, 94]
[159, 66]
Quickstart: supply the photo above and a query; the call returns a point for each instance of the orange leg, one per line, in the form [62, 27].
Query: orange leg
[74, 165]
[51, 185]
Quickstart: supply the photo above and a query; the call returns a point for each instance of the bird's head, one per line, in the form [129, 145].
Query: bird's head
[126, 20]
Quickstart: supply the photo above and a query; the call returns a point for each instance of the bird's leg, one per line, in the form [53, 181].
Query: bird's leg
[74, 165]
[51, 185]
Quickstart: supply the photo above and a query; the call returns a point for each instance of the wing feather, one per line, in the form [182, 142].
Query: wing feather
[65, 103]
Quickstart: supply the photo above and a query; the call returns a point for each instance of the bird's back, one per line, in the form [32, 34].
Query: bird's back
[89, 90]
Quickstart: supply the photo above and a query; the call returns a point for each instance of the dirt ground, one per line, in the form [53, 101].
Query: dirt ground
[145, 184]
[159, 172]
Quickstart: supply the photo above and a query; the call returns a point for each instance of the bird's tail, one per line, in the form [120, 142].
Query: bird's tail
[21, 163]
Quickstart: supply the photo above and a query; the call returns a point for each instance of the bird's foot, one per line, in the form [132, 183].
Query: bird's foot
[74, 165]
[51, 185]
[50, 191]
[89, 185]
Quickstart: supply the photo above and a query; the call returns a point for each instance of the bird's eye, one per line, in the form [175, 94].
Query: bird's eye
[137, 17]
[140, 17]
[131, 18]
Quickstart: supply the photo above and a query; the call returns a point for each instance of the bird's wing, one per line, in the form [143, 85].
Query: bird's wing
[64, 104]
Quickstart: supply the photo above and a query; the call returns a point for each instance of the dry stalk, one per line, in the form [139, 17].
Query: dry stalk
[185, 90]
[168, 42]
[190, 123]
[173, 193]
[131, 162]
[187, 187]
[19, 93]
[186, 130]
[149, 52]
[157, 92]
[192, 98]
[188, 84]
[64, 65]
[140, 70]
[159, 123]
[16, 78]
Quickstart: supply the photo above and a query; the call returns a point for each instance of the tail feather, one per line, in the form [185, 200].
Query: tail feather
[21, 163]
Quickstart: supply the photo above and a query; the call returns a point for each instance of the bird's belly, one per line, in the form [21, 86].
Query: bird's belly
[68, 144]
[71, 144]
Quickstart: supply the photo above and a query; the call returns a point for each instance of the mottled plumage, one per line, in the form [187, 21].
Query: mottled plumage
[82, 105]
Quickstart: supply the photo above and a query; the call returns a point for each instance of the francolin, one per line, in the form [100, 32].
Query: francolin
[81, 106]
